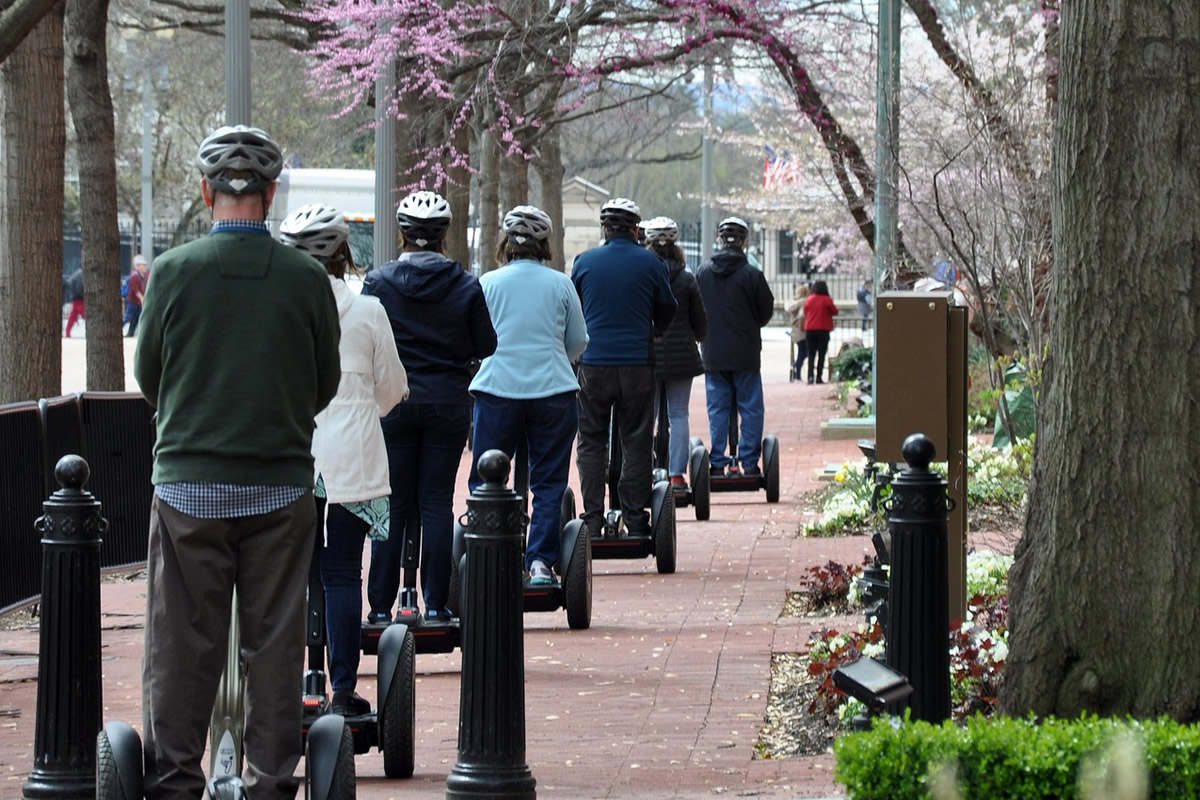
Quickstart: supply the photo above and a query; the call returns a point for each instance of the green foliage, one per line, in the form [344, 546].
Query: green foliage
[854, 364]
[1002, 758]
[829, 584]
[1020, 400]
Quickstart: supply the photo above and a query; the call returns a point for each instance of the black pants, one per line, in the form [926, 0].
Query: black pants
[818, 345]
[630, 391]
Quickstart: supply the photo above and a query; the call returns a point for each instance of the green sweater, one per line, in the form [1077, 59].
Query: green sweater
[237, 350]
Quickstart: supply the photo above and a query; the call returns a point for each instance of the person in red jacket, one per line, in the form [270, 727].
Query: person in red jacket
[819, 311]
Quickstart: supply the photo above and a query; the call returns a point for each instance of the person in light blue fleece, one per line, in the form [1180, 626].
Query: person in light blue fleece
[527, 388]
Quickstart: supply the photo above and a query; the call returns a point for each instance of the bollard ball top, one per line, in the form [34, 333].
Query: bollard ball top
[494, 467]
[918, 450]
[72, 472]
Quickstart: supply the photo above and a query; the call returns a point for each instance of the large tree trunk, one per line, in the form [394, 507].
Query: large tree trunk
[1103, 591]
[18, 19]
[32, 142]
[489, 200]
[550, 174]
[92, 114]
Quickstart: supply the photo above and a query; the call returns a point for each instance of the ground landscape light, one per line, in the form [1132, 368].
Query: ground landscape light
[872, 683]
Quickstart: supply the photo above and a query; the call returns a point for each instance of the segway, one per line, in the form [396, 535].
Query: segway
[572, 587]
[329, 748]
[613, 540]
[696, 493]
[390, 726]
[430, 637]
[734, 480]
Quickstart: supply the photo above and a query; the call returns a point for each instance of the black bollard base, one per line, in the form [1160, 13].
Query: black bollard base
[58, 785]
[466, 782]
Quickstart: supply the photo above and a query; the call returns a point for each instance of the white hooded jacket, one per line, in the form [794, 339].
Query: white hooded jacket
[348, 444]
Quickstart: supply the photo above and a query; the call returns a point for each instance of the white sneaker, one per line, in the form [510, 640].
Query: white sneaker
[539, 573]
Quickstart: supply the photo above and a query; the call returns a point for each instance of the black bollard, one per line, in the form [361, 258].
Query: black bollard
[918, 631]
[69, 696]
[491, 709]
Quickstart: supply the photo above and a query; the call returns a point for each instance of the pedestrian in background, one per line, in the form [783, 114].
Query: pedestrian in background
[863, 295]
[135, 290]
[795, 309]
[819, 311]
[75, 296]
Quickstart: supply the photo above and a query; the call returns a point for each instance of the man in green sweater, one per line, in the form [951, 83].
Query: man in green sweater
[238, 351]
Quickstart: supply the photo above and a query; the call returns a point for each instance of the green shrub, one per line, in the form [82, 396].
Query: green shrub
[852, 365]
[1010, 758]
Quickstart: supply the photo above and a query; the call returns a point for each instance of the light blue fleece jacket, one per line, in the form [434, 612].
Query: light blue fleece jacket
[539, 329]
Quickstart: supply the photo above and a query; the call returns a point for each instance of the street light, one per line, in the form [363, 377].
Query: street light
[154, 78]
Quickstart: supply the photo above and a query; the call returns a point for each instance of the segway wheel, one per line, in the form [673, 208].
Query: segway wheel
[108, 776]
[664, 535]
[695, 442]
[771, 462]
[577, 583]
[568, 511]
[344, 781]
[400, 714]
[701, 482]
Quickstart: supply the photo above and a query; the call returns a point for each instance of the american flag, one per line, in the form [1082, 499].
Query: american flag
[779, 168]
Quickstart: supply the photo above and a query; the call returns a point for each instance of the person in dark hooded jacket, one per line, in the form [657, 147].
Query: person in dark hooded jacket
[441, 325]
[676, 359]
[739, 303]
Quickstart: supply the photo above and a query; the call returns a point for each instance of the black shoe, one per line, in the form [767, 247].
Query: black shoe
[820, 381]
[715, 471]
[752, 472]
[437, 616]
[349, 704]
[379, 618]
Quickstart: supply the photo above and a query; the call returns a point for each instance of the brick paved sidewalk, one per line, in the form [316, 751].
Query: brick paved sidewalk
[662, 697]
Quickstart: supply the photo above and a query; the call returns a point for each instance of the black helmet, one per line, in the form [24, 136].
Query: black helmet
[620, 212]
[238, 148]
[423, 217]
[733, 230]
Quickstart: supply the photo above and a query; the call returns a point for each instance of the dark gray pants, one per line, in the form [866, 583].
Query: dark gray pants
[629, 390]
[194, 566]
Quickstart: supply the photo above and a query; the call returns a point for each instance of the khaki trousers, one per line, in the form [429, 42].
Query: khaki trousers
[194, 565]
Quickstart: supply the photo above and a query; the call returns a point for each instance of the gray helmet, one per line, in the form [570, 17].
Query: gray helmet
[620, 212]
[733, 230]
[423, 217]
[239, 148]
[316, 229]
[661, 230]
[526, 222]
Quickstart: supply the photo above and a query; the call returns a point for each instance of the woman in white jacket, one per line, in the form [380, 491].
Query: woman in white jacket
[352, 485]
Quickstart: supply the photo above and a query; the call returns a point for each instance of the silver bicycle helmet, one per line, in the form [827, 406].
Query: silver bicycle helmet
[316, 229]
[661, 230]
[620, 212]
[526, 222]
[733, 230]
[242, 149]
[423, 217]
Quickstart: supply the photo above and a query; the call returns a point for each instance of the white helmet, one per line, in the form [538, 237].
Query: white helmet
[241, 148]
[661, 230]
[423, 217]
[733, 230]
[526, 222]
[620, 212]
[316, 229]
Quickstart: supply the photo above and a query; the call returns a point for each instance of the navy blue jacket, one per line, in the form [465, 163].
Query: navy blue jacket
[440, 320]
[739, 303]
[626, 298]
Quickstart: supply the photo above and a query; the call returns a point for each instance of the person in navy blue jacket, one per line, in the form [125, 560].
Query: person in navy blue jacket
[441, 324]
[627, 300]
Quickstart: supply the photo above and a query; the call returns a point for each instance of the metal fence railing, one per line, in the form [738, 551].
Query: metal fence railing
[166, 234]
[114, 434]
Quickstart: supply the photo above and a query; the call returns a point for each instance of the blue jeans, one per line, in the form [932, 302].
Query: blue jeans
[341, 575]
[548, 426]
[425, 444]
[132, 314]
[720, 389]
[679, 394]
